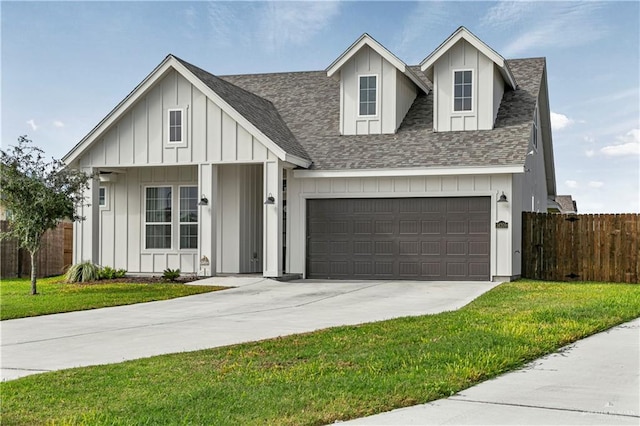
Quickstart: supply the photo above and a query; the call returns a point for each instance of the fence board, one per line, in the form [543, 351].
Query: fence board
[589, 248]
[52, 258]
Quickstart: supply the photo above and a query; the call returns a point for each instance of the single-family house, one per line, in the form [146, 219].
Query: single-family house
[370, 169]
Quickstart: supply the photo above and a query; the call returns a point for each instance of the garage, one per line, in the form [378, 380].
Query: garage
[399, 238]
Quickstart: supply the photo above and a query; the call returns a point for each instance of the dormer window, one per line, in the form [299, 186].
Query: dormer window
[462, 90]
[175, 126]
[368, 95]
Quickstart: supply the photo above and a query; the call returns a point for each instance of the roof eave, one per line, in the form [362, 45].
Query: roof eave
[157, 73]
[462, 33]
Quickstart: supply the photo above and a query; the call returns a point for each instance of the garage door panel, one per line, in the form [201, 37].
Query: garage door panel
[431, 248]
[457, 227]
[409, 248]
[406, 238]
[384, 226]
[431, 227]
[457, 248]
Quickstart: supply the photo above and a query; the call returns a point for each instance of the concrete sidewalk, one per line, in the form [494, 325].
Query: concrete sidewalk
[256, 309]
[595, 381]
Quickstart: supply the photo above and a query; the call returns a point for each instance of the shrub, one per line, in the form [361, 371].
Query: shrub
[82, 272]
[109, 273]
[171, 274]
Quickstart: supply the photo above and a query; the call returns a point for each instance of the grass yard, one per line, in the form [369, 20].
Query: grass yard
[334, 374]
[55, 296]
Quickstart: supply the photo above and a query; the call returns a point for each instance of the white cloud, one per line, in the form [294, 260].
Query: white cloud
[571, 183]
[590, 153]
[284, 23]
[560, 121]
[33, 124]
[505, 14]
[57, 123]
[629, 144]
[557, 25]
[595, 184]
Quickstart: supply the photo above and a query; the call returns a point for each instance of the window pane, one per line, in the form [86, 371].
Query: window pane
[372, 108]
[466, 104]
[467, 77]
[457, 105]
[158, 236]
[102, 199]
[467, 90]
[458, 77]
[363, 109]
[188, 236]
[158, 204]
[189, 204]
[457, 91]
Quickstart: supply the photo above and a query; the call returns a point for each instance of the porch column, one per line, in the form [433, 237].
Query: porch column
[89, 228]
[208, 187]
[272, 214]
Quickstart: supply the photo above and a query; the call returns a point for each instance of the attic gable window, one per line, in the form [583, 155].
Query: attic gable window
[368, 95]
[462, 90]
[176, 128]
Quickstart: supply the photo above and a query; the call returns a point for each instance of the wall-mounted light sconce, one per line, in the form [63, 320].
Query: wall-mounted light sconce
[270, 199]
[503, 198]
[204, 201]
[530, 152]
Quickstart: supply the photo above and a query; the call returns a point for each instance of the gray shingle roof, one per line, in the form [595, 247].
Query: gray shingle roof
[308, 102]
[260, 112]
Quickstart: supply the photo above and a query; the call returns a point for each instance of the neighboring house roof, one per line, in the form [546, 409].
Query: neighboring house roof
[566, 204]
[464, 34]
[309, 102]
[366, 40]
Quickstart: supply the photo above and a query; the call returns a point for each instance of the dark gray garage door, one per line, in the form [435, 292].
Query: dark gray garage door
[399, 238]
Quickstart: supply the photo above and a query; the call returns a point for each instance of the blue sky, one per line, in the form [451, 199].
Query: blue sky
[65, 65]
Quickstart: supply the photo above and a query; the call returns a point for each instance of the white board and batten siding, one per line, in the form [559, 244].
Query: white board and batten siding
[140, 136]
[137, 147]
[301, 189]
[395, 94]
[487, 89]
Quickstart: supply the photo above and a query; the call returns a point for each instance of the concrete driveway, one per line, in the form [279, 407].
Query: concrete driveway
[256, 309]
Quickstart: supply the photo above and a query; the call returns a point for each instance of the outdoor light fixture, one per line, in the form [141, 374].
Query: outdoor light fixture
[503, 198]
[204, 201]
[270, 199]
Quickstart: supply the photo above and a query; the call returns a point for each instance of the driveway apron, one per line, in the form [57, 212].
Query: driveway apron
[257, 309]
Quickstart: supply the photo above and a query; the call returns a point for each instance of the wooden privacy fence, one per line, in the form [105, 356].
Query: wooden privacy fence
[561, 247]
[56, 253]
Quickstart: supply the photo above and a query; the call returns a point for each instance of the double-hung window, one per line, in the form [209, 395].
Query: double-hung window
[160, 221]
[463, 90]
[176, 127]
[188, 217]
[367, 99]
[158, 229]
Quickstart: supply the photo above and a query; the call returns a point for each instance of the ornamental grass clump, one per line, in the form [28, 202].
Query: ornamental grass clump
[83, 272]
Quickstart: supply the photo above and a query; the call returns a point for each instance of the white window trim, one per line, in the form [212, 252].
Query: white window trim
[104, 206]
[534, 130]
[183, 133]
[377, 96]
[453, 91]
[144, 248]
[179, 222]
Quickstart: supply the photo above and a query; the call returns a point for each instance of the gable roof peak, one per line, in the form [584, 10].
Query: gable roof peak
[462, 33]
[366, 39]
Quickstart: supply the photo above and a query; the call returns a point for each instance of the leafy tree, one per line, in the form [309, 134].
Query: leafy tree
[39, 194]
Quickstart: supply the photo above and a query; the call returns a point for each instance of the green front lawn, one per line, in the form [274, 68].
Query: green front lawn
[55, 296]
[338, 373]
